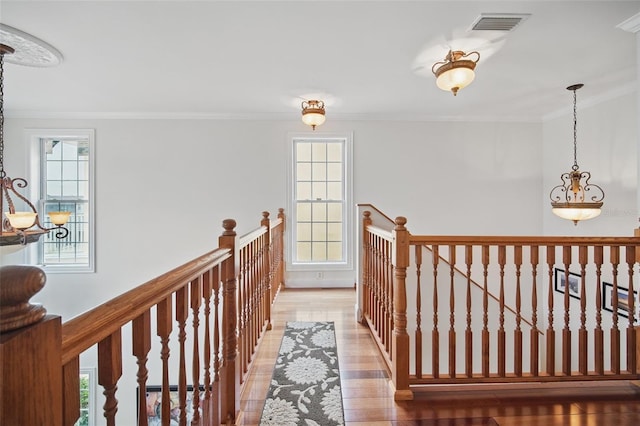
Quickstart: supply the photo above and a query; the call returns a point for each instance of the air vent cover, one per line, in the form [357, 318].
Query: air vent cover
[498, 22]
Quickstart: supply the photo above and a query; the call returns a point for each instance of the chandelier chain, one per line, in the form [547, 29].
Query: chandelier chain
[575, 134]
[2, 172]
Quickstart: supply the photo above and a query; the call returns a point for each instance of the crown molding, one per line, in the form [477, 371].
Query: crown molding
[631, 25]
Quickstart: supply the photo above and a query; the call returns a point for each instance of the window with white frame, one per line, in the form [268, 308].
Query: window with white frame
[320, 206]
[65, 172]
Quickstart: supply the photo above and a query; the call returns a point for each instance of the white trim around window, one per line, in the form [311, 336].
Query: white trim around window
[33, 139]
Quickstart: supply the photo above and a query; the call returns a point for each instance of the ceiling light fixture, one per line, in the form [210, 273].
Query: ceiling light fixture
[313, 113]
[576, 199]
[20, 227]
[456, 71]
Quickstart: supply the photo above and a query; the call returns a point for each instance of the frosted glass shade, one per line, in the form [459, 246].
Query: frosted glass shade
[313, 118]
[59, 218]
[577, 212]
[21, 220]
[455, 78]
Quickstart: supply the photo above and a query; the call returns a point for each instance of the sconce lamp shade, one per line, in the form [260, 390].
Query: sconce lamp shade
[59, 218]
[313, 113]
[21, 220]
[455, 72]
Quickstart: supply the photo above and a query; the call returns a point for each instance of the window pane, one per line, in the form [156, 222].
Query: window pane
[334, 171]
[319, 172]
[303, 252]
[334, 232]
[319, 212]
[54, 189]
[319, 250]
[69, 189]
[319, 152]
[334, 191]
[304, 232]
[303, 152]
[334, 152]
[54, 170]
[70, 150]
[303, 191]
[334, 212]
[319, 231]
[304, 212]
[304, 171]
[319, 191]
[334, 251]
[69, 170]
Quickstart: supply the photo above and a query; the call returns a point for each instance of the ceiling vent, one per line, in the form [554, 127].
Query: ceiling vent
[498, 22]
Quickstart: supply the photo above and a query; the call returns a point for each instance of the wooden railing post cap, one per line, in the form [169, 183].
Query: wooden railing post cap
[366, 214]
[19, 284]
[401, 221]
[265, 215]
[229, 225]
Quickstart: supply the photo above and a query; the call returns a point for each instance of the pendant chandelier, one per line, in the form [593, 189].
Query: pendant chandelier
[20, 226]
[576, 199]
[313, 113]
[456, 71]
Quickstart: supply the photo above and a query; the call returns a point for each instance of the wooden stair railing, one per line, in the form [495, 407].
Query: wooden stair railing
[532, 331]
[220, 303]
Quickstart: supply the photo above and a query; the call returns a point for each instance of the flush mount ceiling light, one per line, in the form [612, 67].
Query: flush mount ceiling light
[576, 199]
[313, 113]
[20, 227]
[456, 71]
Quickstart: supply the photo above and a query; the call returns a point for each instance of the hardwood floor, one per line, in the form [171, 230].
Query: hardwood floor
[368, 399]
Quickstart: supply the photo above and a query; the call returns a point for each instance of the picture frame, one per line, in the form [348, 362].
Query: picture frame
[623, 299]
[154, 404]
[574, 283]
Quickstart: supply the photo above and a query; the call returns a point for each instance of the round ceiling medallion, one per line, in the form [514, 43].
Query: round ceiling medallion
[29, 50]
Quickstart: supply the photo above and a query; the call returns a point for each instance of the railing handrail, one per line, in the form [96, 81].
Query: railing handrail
[520, 240]
[377, 210]
[87, 329]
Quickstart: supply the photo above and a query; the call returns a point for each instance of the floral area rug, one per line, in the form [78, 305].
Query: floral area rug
[305, 386]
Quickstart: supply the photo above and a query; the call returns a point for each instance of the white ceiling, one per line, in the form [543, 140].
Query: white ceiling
[244, 59]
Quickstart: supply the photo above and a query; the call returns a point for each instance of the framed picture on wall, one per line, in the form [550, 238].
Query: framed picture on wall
[561, 284]
[154, 405]
[623, 299]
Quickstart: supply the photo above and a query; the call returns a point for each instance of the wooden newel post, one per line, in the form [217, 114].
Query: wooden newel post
[281, 242]
[30, 352]
[400, 351]
[269, 275]
[229, 378]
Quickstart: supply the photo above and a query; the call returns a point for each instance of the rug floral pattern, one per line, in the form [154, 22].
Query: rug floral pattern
[305, 386]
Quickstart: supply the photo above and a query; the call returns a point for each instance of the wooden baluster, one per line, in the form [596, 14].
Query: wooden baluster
[534, 352]
[615, 331]
[631, 332]
[182, 312]
[109, 372]
[242, 308]
[164, 324]
[268, 256]
[435, 334]
[366, 269]
[141, 334]
[598, 333]
[485, 312]
[378, 285]
[452, 310]
[418, 345]
[206, 296]
[400, 345]
[70, 392]
[391, 308]
[502, 260]
[468, 335]
[566, 331]
[196, 302]
[551, 334]
[583, 335]
[388, 288]
[517, 334]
